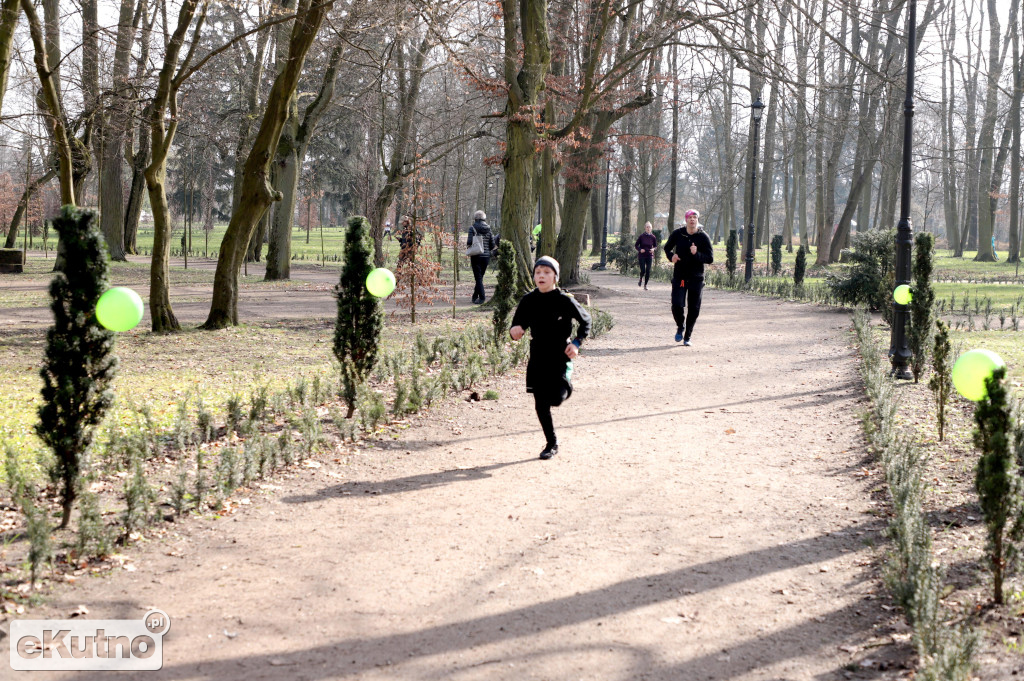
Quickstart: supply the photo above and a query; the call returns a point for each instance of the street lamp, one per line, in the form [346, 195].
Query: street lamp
[899, 350]
[755, 113]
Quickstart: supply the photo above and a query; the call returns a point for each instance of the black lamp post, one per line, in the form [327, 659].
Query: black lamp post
[755, 112]
[899, 350]
[604, 232]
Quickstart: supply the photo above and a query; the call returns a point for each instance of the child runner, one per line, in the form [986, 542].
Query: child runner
[548, 312]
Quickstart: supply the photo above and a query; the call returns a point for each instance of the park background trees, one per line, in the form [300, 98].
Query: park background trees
[528, 110]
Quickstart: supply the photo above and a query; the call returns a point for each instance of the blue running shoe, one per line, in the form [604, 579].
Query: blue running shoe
[679, 335]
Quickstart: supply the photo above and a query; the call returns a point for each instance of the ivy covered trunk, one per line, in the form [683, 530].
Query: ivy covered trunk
[527, 60]
[518, 201]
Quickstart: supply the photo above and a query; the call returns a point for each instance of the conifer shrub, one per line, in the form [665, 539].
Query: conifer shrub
[997, 479]
[79, 363]
[93, 538]
[139, 498]
[731, 246]
[37, 529]
[776, 254]
[800, 268]
[941, 382]
[504, 298]
[360, 318]
[921, 305]
[868, 278]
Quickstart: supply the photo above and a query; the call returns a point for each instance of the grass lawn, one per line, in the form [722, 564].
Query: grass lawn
[158, 371]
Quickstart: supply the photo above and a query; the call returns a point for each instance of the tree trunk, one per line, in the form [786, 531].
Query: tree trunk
[549, 175]
[252, 98]
[259, 237]
[986, 140]
[19, 212]
[1014, 122]
[597, 213]
[9, 16]
[54, 111]
[159, 272]
[133, 211]
[162, 128]
[257, 194]
[285, 174]
[821, 228]
[768, 164]
[626, 176]
[674, 162]
[115, 127]
[800, 134]
[788, 197]
[949, 178]
[969, 232]
[525, 27]
[729, 218]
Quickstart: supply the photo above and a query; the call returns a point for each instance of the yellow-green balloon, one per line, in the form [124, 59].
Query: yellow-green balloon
[380, 282]
[119, 309]
[902, 295]
[970, 371]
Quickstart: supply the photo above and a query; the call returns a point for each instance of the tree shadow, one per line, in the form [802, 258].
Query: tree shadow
[723, 407]
[353, 656]
[411, 483]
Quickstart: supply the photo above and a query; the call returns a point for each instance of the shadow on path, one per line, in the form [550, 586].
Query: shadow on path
[411, 483]
[825, 399]
[356, 655]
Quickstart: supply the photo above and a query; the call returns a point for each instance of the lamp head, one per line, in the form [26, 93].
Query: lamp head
[757, 108]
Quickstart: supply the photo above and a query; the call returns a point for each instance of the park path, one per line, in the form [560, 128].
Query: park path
[708, 517]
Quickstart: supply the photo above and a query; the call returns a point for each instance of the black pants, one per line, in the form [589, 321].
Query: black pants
[544, 402]
[645, 269]
[686, 303]
[479, 264]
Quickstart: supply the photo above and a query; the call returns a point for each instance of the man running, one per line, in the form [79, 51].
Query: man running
[690, 249]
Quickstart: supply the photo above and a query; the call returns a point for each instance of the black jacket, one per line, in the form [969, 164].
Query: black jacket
[549, 317]
[689, 266]
[490, 240]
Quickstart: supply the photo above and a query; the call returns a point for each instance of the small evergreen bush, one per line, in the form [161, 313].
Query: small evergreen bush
[800, 268]
[79, 363]
[730, 253]
[941, 382]
[921, 305]
[504, 298]
[360, 315]
[998, 480]
[776, 254]
[868, 279]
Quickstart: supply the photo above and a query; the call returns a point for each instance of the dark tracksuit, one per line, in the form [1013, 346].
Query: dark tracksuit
[480, 262]
[688, 275]
[647, 242]
[549, 317]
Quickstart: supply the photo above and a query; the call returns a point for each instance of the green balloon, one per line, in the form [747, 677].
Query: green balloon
[902, 294]
[119, 309]
[970, 371]
[380, 282]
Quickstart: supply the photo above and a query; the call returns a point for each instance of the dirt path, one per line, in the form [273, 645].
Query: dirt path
[705, 519]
